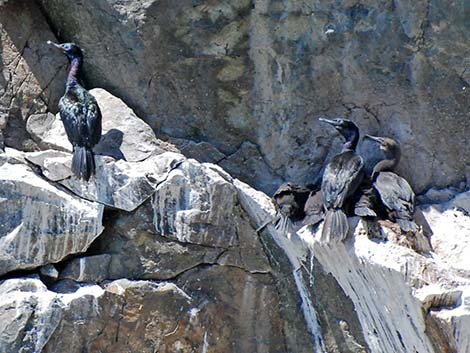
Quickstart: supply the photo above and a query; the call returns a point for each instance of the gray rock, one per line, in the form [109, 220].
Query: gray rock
[39, 223]
[139, 316]
[31, 78]
[197, 200]
[88, 269]
[49, 271]
[119, 184]
[48, 132]
[201, 151]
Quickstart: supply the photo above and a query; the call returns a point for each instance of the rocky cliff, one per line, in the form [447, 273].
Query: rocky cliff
[160, 252]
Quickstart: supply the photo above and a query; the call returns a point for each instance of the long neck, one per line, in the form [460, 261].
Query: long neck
[351, 141]
[75, 71]
[384, 165]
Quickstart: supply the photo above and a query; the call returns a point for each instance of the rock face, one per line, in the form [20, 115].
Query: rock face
[40, 223]
[189, 260]
[31, 80]
[260, 73]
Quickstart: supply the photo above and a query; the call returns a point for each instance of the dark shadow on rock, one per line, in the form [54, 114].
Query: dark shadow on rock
[110, 144]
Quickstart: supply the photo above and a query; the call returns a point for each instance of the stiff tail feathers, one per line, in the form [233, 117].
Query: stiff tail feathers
[83, 162]
[335, 226]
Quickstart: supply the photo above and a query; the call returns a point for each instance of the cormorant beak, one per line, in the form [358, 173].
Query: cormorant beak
[328, 121]
[374, 138]
[58, 46]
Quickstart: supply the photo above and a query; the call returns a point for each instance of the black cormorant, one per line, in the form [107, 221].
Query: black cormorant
[342, 176]
[313, 208]
[80, 115]
[394, 191]
[289, 200]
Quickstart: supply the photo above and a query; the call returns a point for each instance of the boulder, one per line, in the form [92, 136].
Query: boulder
[40, 223]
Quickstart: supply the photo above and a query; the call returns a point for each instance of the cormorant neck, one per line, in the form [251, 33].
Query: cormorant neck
[383, 166]
[74, 72]
[351, 141]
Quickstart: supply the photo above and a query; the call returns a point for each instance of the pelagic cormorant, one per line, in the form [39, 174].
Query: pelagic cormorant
[289, 200]
[80, 115]
[394, 191]
[342, 176]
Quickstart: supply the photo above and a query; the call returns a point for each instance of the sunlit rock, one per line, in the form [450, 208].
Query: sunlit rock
[40, 223]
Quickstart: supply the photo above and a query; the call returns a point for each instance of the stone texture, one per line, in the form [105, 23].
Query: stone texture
[450, 223]
[142, 316]
[117, 184]
[31, 79]
[262, 72]
[40, 223]
[193, 219]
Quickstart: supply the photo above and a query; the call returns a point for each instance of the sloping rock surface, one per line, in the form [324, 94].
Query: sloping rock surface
[40, 223]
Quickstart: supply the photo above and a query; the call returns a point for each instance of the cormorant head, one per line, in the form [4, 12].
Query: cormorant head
[346, 128]
[71, 50]
[389, 147]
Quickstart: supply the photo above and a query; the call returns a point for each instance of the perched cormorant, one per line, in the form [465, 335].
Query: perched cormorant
[289, 200]
[394, 191]
[313, 208]
[80, 115]
[367, 200]
[342, 176]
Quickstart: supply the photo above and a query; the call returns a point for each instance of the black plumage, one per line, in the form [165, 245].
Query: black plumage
[313, 209]
[289, 200]
[395, 193]
[342, 176]
[80, 115]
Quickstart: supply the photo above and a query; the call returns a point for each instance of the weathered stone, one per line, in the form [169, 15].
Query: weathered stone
[137, 251]
[264, 71]
[118, 184]
[40, 223]
[383, 275]
[142, 316]
[88, 269]
[49, 271]
[147, 243]
[450, 223]
[48, 131]
[31, 79]
[201, 151]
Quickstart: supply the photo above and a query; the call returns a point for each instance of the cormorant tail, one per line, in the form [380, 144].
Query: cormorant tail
[335, 226]
[83, 162]
[407, 225]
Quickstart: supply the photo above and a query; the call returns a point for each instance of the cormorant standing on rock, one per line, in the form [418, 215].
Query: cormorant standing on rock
[341, 178]
[394, 191]
[80, 115]
[289, 200]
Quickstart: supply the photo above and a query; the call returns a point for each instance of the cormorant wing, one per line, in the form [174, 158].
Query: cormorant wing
[81, 117]
[93, 118]
[73, 117]
[396, 194]
[341, 178]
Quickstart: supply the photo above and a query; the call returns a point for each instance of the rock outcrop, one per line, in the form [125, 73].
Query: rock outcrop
[40, 223]
[160, 252]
